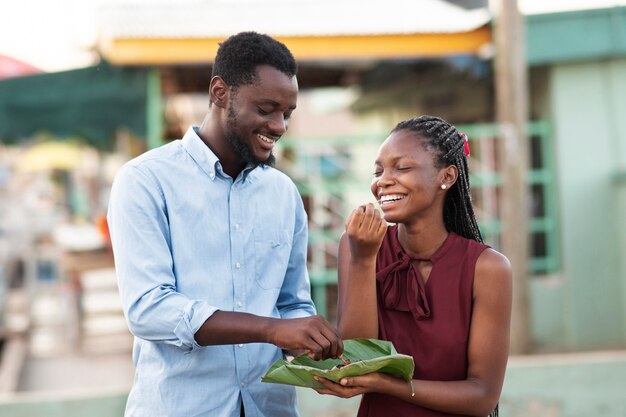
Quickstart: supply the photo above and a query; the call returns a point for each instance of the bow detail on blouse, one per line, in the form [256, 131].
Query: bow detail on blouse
[402, 288]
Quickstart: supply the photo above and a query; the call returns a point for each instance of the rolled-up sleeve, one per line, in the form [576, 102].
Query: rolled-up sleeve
[138, 222]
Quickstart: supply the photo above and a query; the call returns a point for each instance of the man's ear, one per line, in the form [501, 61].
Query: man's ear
[449, 175]
[218, 92]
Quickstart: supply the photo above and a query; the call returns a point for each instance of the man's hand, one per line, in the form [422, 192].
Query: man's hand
[366, 229]
[313, 335]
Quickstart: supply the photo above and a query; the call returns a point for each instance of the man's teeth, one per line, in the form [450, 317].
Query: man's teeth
[389, 198]
[266, 139]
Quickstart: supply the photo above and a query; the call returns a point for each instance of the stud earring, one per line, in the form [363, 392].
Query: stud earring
[444, 186]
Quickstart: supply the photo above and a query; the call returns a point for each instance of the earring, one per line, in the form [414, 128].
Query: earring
[444, 186]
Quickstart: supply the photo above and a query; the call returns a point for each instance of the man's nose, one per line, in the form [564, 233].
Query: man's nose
[278, 125]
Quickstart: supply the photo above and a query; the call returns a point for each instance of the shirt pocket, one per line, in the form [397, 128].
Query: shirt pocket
[272, 250]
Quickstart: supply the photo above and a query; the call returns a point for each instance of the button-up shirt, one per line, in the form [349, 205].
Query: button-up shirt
[188, 241]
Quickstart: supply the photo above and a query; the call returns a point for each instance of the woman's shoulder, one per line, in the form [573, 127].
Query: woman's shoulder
[492, 259]
[493, 270]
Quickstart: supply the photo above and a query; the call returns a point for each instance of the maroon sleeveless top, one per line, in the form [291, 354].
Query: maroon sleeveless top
[427, 321]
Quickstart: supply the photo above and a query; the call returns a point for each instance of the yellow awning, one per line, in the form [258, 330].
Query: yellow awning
[50, 155]
[163, 51]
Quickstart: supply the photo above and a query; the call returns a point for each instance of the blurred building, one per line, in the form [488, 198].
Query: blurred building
[578, 84]
[435, 58]
[358, 77]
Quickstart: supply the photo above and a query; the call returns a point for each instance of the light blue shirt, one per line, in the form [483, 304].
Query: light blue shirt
[188, 241]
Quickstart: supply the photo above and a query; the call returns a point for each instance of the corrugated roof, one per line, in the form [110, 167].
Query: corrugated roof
[221, 18]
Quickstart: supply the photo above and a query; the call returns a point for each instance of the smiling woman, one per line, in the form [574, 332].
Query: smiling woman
[427, 283]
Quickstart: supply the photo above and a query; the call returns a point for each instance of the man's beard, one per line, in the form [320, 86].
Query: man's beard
[243, 149]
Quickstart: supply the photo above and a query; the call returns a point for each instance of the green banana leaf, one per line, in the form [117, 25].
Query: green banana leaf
[365, 356]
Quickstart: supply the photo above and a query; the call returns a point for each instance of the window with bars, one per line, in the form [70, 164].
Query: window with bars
[334, 174]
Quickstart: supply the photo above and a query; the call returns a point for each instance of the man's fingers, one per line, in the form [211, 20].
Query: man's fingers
[327, 344]
[321, 339]
[336, 345]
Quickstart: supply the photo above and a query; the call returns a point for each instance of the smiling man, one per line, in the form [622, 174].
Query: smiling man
[210, 250]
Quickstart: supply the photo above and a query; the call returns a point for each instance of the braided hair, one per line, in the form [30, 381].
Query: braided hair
[448, 147]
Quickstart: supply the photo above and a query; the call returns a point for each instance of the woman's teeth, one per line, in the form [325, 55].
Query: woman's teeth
[390, 198]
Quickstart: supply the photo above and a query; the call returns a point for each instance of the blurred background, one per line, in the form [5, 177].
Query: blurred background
[538, 86]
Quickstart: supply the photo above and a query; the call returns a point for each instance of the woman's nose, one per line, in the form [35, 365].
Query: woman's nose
[384, 179]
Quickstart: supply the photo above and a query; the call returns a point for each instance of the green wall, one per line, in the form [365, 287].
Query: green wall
[588, 108]
[620, 186]
[589, 34]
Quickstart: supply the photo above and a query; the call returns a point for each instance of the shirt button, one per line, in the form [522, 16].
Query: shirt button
[240, 345]
[237, 265]
[243, 384]
[236, 225]
[239, 304]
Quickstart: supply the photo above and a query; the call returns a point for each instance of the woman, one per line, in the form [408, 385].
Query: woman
[428, 283]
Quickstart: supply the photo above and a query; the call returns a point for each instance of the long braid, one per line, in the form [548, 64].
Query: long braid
[447, 144]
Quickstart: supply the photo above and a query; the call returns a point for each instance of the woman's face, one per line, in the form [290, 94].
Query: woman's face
[406, 182]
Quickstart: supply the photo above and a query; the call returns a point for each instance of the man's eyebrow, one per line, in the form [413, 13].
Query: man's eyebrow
[275, 103]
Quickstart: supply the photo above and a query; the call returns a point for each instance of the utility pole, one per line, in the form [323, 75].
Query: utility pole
[511, 85]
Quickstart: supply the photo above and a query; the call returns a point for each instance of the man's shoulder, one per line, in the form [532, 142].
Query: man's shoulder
[162, 153]
[275, 172]
[268, 173]
[152, 164]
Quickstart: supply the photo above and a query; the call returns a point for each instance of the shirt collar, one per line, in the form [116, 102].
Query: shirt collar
[208, 161]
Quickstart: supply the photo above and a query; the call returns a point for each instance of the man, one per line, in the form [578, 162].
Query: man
[210, 250]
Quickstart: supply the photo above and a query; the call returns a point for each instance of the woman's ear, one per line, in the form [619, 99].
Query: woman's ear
[448, 176]
[218, 92]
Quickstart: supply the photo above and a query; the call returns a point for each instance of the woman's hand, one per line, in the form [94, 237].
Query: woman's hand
[356, 385]
[366, 229]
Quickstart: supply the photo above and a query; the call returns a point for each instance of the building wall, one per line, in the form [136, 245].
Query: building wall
[588, 101]
[620, 187]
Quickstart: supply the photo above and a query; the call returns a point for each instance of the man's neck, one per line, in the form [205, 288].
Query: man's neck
[232, 164]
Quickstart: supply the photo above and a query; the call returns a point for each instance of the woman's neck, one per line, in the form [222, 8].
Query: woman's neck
[421, 240]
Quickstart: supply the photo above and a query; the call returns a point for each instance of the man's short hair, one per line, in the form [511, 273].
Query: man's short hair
[239, 55]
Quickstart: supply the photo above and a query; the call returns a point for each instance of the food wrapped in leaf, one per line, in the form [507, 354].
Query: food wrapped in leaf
[360, 357]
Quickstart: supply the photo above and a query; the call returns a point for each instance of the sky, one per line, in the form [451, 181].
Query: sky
[60, 35]
[51, 35]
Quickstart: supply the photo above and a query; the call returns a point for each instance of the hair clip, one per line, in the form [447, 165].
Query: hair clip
[466, 148]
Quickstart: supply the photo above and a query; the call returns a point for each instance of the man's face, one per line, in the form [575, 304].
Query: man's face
[258, 114]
